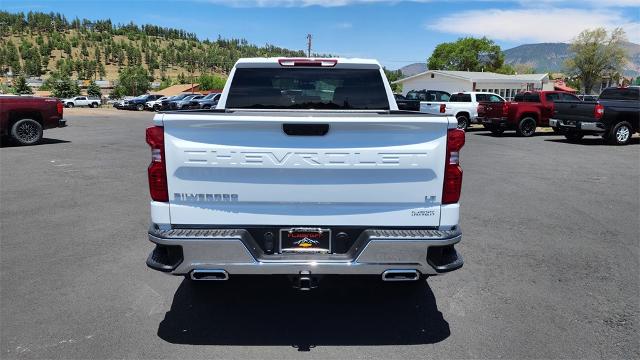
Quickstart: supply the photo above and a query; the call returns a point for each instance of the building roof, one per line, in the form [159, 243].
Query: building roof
[177, 89]
[478, 76]
[560, 85]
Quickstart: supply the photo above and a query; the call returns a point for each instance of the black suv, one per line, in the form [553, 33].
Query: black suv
[138, 103]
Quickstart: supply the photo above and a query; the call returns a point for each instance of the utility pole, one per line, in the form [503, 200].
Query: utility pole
[309, 37]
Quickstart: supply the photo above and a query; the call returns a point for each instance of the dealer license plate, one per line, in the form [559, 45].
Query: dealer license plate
[305, 240]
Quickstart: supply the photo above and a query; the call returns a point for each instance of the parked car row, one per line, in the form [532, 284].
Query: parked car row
[156, 102]
[567, 114]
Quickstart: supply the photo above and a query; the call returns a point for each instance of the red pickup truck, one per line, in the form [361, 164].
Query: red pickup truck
[23, 118]
[527, 111]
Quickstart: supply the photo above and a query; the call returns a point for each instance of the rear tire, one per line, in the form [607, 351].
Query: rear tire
[69, 105]
[206, 107]
[26, 132]
[574, 136]
[526, 127]
[621, 133]
[94, 105]
[140, 107]
[463, 122]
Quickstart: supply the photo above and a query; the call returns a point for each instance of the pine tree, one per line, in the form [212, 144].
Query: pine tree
[21, 87]
[13, 58]
[93, 90]
[65, 88]
[32, 62]
[101, 71]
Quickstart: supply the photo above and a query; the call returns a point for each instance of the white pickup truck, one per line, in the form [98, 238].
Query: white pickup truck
[305, 168]
[81, 101]
[463, 106]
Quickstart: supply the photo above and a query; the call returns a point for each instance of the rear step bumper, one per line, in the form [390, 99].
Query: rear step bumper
[233, 252]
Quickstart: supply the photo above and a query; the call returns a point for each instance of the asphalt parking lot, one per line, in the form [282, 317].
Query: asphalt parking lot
[551, 269]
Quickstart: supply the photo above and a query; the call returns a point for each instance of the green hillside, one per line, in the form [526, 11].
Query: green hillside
[38, 45]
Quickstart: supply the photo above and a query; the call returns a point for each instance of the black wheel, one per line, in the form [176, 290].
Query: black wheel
[70, 105]
[526, 127]
[574, 136]
[140, 107]
[621, 133]
[463, 122]
[94, 105]
[26, 132]
[157, 107]
[206, 107]
[496, 131]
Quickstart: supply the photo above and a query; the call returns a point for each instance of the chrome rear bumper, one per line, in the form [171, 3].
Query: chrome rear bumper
[180, 251]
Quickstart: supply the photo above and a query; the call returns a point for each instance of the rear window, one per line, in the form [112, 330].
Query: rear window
[568, 97]
[488, 97]
[552, 97]
[621, 94]
[307, 88]
[460, 98]
[527, 97]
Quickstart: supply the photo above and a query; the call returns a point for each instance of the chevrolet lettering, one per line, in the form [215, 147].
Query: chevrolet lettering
[318, 159]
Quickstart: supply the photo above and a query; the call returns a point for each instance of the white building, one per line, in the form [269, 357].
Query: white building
[458, 81]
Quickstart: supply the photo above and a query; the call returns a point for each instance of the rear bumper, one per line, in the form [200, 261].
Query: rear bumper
[180, 251]
[587, 126]
[494, 122]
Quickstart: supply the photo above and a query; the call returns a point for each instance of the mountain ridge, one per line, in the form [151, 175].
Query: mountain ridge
[544, 57]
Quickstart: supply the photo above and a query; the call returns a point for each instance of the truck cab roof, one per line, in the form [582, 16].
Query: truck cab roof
[306, 61]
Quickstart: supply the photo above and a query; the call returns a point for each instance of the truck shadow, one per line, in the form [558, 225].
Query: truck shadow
[5, 143]
[270, 312]
[590, 141]
[512, 134]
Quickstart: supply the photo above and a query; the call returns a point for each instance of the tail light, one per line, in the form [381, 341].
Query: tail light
[598, 111]
[59, 108]
[442, 108]
[308, 62]
[505, 108]
[157, 169]
[452, 170]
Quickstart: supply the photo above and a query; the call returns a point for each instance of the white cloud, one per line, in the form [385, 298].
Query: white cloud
[536, 25]
[343, 25]
[336, 3]
[581, 3]
[304, 3]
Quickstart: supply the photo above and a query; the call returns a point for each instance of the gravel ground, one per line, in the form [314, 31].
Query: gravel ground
[551, 263]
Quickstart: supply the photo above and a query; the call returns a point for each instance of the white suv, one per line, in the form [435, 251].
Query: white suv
[81, 101]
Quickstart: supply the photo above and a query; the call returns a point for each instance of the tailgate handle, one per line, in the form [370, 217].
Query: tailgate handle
[305, 129]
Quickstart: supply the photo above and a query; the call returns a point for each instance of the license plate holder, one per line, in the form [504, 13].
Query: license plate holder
[305, 241]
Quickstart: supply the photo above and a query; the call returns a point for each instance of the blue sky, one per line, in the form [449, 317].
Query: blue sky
[395, 32]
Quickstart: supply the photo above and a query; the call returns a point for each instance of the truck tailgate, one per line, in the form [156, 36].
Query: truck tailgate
[242, 169]
[574, 110]
[431, 107]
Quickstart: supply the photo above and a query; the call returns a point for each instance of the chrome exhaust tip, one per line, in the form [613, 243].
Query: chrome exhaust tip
[209, 275]
[401, 275]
